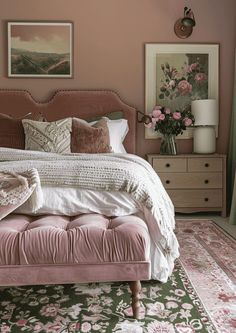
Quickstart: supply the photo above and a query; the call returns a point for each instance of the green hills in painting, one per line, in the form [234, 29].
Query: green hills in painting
[39, 63]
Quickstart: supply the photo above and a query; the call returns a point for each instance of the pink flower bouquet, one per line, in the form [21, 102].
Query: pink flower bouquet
[164, 121]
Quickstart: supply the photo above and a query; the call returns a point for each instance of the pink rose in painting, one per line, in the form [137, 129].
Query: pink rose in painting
[176, 115]
[157, 107]
[167, 111]
[188, 121]
[21, 322]
[162, 116]
[193, 67]
[156, 113]
[184, 87]
[200, 77]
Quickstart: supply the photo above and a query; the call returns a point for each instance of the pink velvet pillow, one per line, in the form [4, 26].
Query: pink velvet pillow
[90, 139]
[12, 132]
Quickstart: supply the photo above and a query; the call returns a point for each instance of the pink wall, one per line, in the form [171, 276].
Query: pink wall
[109, 37]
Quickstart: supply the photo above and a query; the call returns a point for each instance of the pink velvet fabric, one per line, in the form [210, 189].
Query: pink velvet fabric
[71, 103]
[60, 274]
[84, 239]
[90, 139]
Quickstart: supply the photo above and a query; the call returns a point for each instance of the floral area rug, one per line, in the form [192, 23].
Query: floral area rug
[208, 255]
[203, 275]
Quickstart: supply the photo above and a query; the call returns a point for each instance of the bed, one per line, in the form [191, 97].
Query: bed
[103, 217]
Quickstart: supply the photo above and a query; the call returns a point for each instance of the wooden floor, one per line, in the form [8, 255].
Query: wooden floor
[222, 222]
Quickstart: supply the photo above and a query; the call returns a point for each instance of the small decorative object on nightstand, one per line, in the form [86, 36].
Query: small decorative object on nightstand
[195, 183]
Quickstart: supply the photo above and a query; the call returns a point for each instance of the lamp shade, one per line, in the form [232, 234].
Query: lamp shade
[205, 112]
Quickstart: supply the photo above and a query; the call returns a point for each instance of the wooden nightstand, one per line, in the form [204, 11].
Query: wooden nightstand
[195, 183]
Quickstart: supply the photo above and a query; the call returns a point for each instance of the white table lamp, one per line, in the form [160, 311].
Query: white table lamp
[206, 116]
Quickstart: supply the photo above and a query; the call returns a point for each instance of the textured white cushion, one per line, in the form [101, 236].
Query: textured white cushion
[48, 136]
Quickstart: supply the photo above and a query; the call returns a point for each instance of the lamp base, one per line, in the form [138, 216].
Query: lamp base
[204, 140]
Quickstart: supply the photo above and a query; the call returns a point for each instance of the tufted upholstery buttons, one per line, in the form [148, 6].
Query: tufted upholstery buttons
[87, 238]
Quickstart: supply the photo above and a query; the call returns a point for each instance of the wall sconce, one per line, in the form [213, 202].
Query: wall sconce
[184, 26]
[144, 118]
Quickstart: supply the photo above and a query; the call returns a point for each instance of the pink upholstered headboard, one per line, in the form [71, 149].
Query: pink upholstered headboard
[83, 104]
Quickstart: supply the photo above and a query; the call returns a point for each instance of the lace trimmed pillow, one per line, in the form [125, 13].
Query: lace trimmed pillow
[51, 137]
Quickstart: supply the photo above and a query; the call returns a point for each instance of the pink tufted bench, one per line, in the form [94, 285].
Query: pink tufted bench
[86, 248]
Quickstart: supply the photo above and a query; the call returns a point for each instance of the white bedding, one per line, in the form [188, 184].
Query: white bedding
[73, 201]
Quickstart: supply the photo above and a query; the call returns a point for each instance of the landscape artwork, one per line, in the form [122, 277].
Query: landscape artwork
[39, 49]
[181, 78]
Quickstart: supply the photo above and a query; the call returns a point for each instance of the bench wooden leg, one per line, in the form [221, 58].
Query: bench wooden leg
[135, 287]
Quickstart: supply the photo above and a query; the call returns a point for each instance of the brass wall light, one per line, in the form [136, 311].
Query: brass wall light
[184, 26]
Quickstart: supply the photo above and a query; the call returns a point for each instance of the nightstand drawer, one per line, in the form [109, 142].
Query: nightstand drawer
[169, 164]
[205, 164]
[188, 180]
[196, 198]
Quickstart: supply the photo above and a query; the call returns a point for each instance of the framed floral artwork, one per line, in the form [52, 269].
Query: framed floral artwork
[40, 49]
[176, 74]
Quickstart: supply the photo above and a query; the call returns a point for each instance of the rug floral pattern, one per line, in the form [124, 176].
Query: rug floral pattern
[203, 275]
[208, 254]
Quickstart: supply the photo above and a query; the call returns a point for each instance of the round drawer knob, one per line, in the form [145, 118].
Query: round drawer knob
[167, 165]
[206, 199]
[206, 181]
[206, 165]
[167, 181]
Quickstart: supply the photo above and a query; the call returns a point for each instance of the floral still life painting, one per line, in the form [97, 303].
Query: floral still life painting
[177, 74]
[181, 78]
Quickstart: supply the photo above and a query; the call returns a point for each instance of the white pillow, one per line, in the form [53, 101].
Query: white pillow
[118, 130]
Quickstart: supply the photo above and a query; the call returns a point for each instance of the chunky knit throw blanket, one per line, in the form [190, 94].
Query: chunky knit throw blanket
[16, 188]
[104, 172]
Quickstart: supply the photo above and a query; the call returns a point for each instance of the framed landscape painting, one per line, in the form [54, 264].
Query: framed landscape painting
[40, 49]
[176, 74]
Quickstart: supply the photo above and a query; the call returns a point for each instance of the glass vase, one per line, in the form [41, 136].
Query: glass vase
[168, 145]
